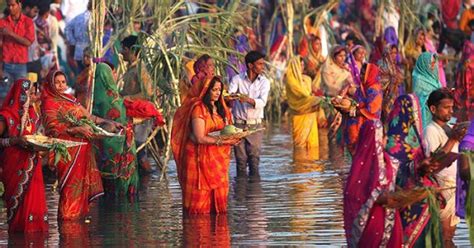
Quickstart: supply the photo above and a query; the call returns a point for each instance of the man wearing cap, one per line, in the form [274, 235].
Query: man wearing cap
[253, 88]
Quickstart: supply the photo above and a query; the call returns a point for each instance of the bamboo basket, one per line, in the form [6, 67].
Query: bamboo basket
[407, 197]
[41, 142]
[237, 135]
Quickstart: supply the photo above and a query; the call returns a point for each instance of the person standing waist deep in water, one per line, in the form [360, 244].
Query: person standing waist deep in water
[248, 111]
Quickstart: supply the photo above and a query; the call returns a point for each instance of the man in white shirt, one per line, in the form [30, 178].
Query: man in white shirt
[439, 135]
[248, 112]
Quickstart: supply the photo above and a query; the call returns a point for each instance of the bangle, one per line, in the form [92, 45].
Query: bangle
[219, 141]
[5, 142]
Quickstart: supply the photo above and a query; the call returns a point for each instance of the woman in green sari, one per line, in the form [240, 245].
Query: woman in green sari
[118, 160]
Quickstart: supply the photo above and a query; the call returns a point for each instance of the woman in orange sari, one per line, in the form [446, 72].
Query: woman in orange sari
[79, 178]
[202, 161]
[22, 176]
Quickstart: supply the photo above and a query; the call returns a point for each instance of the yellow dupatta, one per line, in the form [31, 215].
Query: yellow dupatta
[298, 89]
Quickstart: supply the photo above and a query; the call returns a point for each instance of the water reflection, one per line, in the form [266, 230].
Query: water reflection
[253, 223]
[298, 202]
[206, 230]
[28, 240]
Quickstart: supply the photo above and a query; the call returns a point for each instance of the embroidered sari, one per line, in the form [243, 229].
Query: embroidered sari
[203, 170]
[118, 157]
[303, 105]
[391, 78]
[366, 223]
[421, 223]
[369, 97]
[425, 81]
[22, 176]
[79, 179]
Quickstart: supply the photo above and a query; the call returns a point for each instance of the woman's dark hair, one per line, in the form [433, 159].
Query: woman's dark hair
[207, 98]
[338, 50]
[440, 94]
[131, 42]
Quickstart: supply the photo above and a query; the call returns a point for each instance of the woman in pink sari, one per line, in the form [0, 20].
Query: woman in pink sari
[464, 93]
[367, 222]
[22, 176]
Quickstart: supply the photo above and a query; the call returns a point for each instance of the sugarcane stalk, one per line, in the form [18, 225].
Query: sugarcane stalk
[150, 138]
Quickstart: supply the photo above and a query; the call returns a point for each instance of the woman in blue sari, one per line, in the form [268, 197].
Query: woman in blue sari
[425, 81]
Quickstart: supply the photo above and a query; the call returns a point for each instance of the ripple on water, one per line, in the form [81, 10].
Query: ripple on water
[295, 203]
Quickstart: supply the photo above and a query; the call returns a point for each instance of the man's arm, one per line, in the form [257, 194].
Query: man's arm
[233, 85]
[261, 100]
[25, 40]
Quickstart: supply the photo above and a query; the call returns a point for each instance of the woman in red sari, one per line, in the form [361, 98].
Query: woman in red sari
[202, 161]
[79, 178]
[22, 176]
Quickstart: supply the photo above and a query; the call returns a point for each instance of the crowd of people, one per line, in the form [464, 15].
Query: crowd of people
[42, 101]
[401, 113]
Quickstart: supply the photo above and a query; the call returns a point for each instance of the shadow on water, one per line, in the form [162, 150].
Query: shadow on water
[298, 201]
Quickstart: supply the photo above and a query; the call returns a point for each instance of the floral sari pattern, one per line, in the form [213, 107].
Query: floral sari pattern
[79, 179]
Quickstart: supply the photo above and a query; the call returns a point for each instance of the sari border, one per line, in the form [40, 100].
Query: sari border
[70, 169]
[425, 217]
[92, 198]
[22, 188]
[360, 221]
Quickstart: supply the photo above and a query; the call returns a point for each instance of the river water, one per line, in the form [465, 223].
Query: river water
[294, 203]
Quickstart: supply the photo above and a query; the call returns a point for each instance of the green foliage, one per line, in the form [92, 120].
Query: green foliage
[60, 153]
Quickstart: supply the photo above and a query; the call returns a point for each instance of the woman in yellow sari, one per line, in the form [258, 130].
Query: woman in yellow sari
[304, 108]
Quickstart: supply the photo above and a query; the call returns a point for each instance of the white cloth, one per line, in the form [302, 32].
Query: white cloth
[72, 8]
[435, 137]
[257, 90]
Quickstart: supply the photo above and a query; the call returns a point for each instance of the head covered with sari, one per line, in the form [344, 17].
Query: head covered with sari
[51, 91]
[412, 49]
[201, 69]
[298, 88]
[423, 69]
[181, 131]
[390, 36]
[352, 64]
[425, 81]
[333, 75]
[16, 108]
[369, 99]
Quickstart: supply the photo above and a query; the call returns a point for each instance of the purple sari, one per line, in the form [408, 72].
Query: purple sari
[366, 223]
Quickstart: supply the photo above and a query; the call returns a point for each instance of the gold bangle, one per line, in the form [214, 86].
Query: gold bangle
[218, 141]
